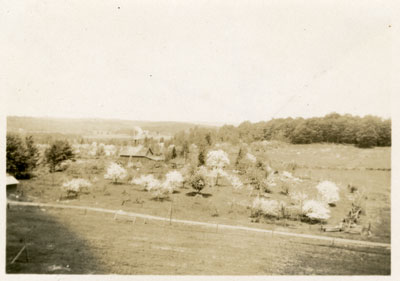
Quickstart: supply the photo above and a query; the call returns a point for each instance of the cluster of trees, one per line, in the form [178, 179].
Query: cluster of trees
[368, 131]
[23, 155]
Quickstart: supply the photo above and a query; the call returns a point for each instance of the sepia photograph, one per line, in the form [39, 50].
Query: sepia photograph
[197, 138]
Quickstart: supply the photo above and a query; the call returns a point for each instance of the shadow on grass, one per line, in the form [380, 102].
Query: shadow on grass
[160, 199]
[194, 193]
[52, 247]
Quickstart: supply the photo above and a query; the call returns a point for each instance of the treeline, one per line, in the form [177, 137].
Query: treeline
[368, 131]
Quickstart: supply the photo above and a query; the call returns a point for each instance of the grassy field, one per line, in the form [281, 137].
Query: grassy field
[72, 242]
[368, 169]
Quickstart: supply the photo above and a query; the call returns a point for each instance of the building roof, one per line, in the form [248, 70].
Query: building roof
[138, 151]
[11, 180]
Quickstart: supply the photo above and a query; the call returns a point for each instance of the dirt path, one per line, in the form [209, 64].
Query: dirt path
[210, 225]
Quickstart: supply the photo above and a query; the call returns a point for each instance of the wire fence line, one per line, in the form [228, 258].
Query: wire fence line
[216, 226]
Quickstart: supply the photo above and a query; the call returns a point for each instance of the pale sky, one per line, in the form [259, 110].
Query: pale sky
[207, 61]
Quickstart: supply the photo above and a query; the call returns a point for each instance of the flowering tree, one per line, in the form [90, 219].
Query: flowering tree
[217, 160]
[115, 172]
[75, 186]
[316, 210]
[329, 192]
[147, 181]
[174, 178]
[266, 207]
[159, 189]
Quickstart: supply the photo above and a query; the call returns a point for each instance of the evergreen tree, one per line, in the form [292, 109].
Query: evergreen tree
[22, 157]
[202, 157]
[58, 152]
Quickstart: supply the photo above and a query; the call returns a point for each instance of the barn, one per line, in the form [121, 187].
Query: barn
[140, 153]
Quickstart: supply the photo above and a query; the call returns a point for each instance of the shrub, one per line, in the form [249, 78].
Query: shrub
[76, 186]
[115, 172]
[198, 182]
[58, 152]
[329, 192]
[63, 165]
[316, 210]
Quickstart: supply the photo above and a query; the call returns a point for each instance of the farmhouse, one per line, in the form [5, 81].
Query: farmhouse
[139, 152]
[11, 183]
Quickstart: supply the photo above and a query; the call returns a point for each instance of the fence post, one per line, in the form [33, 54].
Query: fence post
[170, 214]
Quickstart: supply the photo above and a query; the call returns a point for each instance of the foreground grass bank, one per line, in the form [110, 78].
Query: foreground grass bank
[74, 242]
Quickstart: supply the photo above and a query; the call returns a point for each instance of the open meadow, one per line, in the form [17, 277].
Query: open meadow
[74, 241]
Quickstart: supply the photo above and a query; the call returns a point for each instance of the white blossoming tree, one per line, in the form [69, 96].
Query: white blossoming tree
[147, 181]
[329, 192]
[316, 210]
[76, 186]
[174, 179]
[115, 172]
[217, 160]
[159, 189]
[268, 207]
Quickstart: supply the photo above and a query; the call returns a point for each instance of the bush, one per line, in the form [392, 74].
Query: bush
[22, 156]
[198, 182]
[115, 172]
[58, 152]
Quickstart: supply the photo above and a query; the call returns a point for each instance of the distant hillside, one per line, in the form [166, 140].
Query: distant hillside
[92, 126]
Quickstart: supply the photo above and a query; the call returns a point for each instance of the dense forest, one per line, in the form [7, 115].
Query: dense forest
[368, 131]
